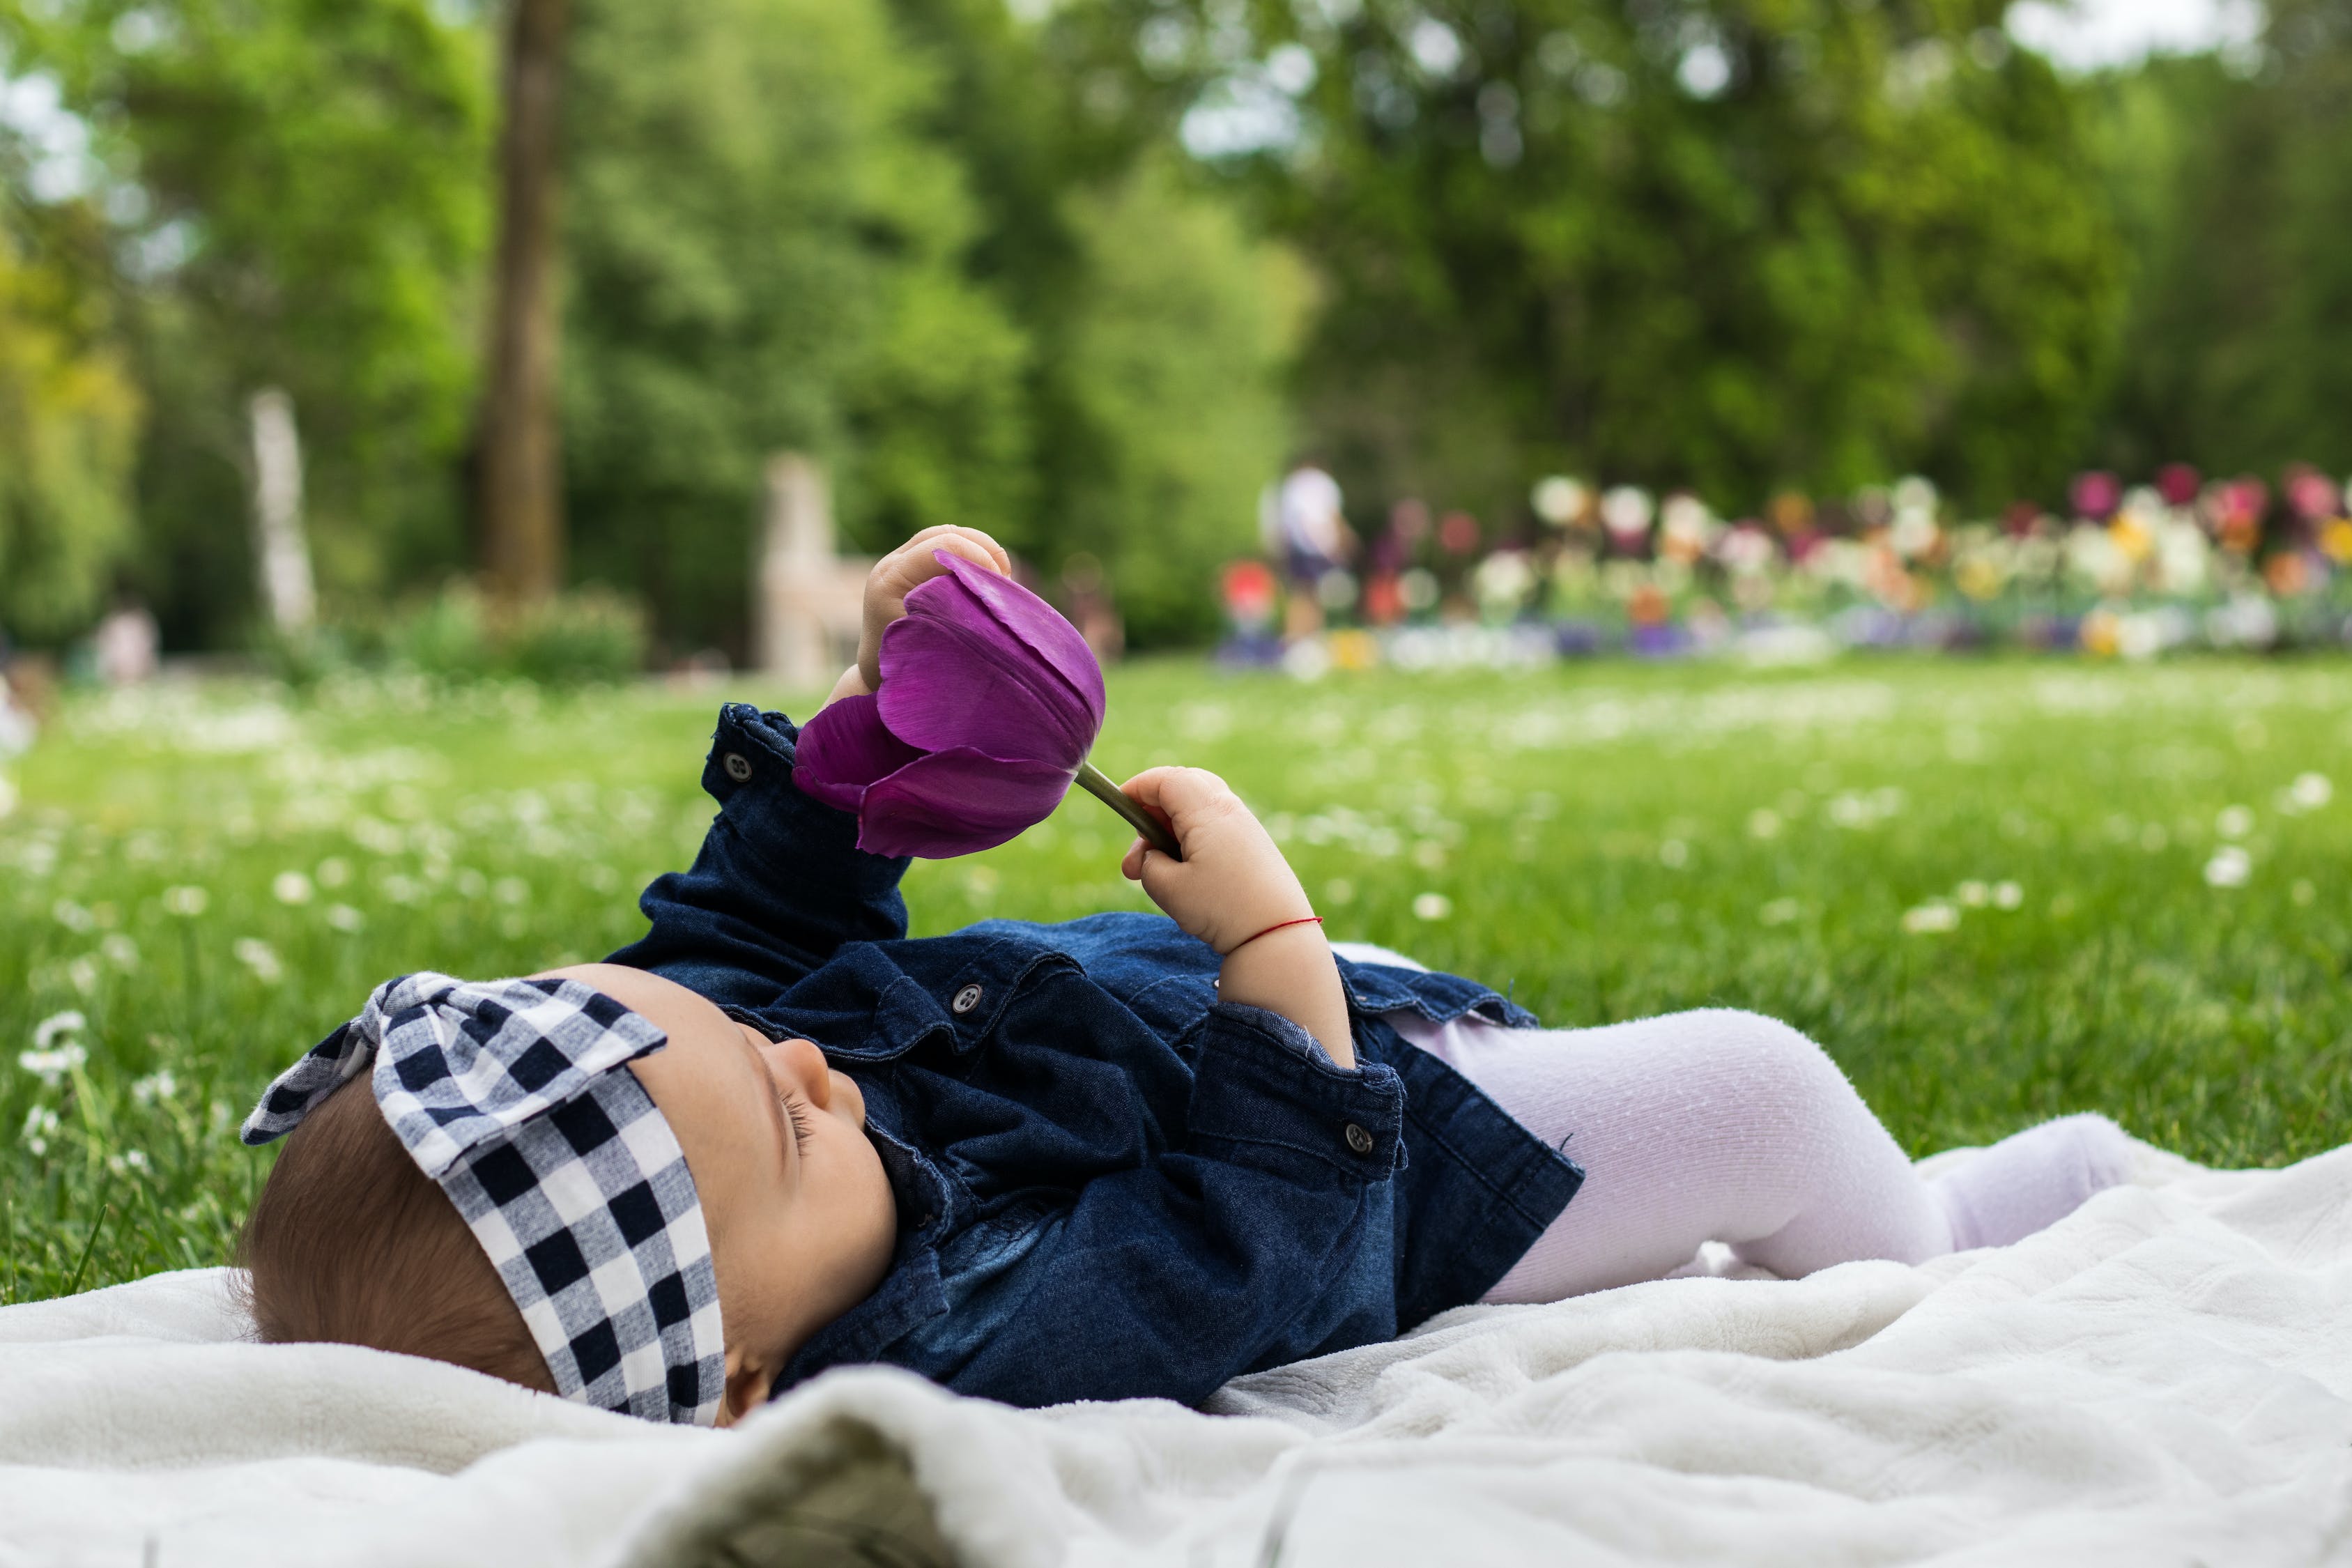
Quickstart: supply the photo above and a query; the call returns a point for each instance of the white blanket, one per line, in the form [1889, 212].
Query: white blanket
[2166, 1377]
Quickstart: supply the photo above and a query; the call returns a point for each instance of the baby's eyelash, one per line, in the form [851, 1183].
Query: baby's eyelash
[800, 1122]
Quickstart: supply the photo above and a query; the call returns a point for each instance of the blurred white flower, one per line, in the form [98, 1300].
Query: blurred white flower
[334, 873]
[515, 891]
[345, 918]
[82, 975]
[48, 1030]
[472, 884]
[1674, 854]
[186, 902]
[40, 1126]
[1626, 511]
[1432, 907]
[1306, 659]
[120, 951]
[290, 887]
[2235, 822]
[1973, 895]
[51, 1067]
[1428, 855]
[2007, 895]
[2311, 791]
[72, 916]
[1558, 500]
[157, 1085]
[399, 889]
[1338, 891]
[1931, 917]
[261, 958]
[1763, 823]
[129, 1160]
[1780, 911]
[2229, 868]
[1853, 808]
[377, 835]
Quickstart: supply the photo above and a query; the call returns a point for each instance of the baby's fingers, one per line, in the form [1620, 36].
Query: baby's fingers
[974, 546]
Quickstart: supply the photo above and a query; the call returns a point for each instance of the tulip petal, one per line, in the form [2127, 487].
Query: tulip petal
[956, 801]
[843, 750]
[1036, 623]
[993, 667]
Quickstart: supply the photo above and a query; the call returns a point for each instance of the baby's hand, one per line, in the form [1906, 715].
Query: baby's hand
[905, 568]
[1233, 881]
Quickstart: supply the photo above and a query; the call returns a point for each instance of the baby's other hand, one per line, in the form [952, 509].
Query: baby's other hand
[905, 569]
[1233, 881]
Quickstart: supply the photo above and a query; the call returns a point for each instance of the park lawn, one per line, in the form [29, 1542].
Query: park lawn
[1996, 892]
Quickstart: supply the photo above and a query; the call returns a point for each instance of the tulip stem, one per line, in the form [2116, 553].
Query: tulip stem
[1149, 828]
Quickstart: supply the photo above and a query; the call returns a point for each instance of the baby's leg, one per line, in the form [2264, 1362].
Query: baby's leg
[1726, 1126]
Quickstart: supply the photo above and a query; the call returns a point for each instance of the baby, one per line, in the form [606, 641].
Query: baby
[1127, 1155]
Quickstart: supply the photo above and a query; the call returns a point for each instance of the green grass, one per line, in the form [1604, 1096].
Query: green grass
[1604, 842]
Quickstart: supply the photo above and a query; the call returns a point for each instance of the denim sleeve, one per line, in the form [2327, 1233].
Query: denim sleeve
[1263, 1238]
[778, 885]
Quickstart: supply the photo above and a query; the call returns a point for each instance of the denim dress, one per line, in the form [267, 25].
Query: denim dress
[1109, 1184]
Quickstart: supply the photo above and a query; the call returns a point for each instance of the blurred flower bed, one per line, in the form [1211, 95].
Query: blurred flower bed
[2130, 572]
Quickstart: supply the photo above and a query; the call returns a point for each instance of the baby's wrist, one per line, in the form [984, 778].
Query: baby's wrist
[1307, 923]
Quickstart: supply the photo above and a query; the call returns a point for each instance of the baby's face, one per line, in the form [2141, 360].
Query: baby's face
[800, 1217]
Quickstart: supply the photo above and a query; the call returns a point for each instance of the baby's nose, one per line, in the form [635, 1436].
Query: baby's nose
[805, 1064]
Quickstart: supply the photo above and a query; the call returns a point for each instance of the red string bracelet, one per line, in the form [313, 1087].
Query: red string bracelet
[1278, 925]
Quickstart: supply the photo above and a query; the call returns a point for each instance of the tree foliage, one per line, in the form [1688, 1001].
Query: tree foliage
[1730, 244]
[952, 247]
[765, 253]
[1170, 370]
[300, 198]
[68, 418]
[2233, 182]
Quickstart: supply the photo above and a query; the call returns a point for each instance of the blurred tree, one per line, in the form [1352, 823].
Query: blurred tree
[1738, 244]
[765, 252]
[2233, 175]
[69, 420]
[1171, 372]
[299, 193]
[1161, 330]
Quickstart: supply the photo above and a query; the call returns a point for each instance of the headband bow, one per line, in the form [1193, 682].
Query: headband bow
[505, 1094]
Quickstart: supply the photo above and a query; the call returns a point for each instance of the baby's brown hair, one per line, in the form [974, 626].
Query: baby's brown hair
[351, 1243]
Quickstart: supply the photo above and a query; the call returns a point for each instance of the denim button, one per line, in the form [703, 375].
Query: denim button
[737, 767]
[965, 1001]
[1359, 1140]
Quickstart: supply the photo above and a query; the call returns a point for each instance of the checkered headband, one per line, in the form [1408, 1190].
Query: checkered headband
[508, 1094]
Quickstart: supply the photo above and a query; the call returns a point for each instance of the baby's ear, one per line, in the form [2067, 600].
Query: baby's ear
[747, 1385]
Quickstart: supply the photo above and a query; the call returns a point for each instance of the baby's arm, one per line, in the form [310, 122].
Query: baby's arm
[1231, 885]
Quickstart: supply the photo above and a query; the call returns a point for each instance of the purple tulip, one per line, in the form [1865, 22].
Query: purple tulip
[989, 702]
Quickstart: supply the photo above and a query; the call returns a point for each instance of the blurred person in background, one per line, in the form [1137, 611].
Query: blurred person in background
[1308, 531]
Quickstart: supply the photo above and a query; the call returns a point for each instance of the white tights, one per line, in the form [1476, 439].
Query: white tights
[1725, 1126]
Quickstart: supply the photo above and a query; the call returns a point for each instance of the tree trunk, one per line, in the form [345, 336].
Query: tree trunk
[521, 497]
[283, 553]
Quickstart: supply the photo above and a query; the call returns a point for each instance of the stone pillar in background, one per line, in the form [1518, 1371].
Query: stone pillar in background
[287, 591]
[793, 612]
